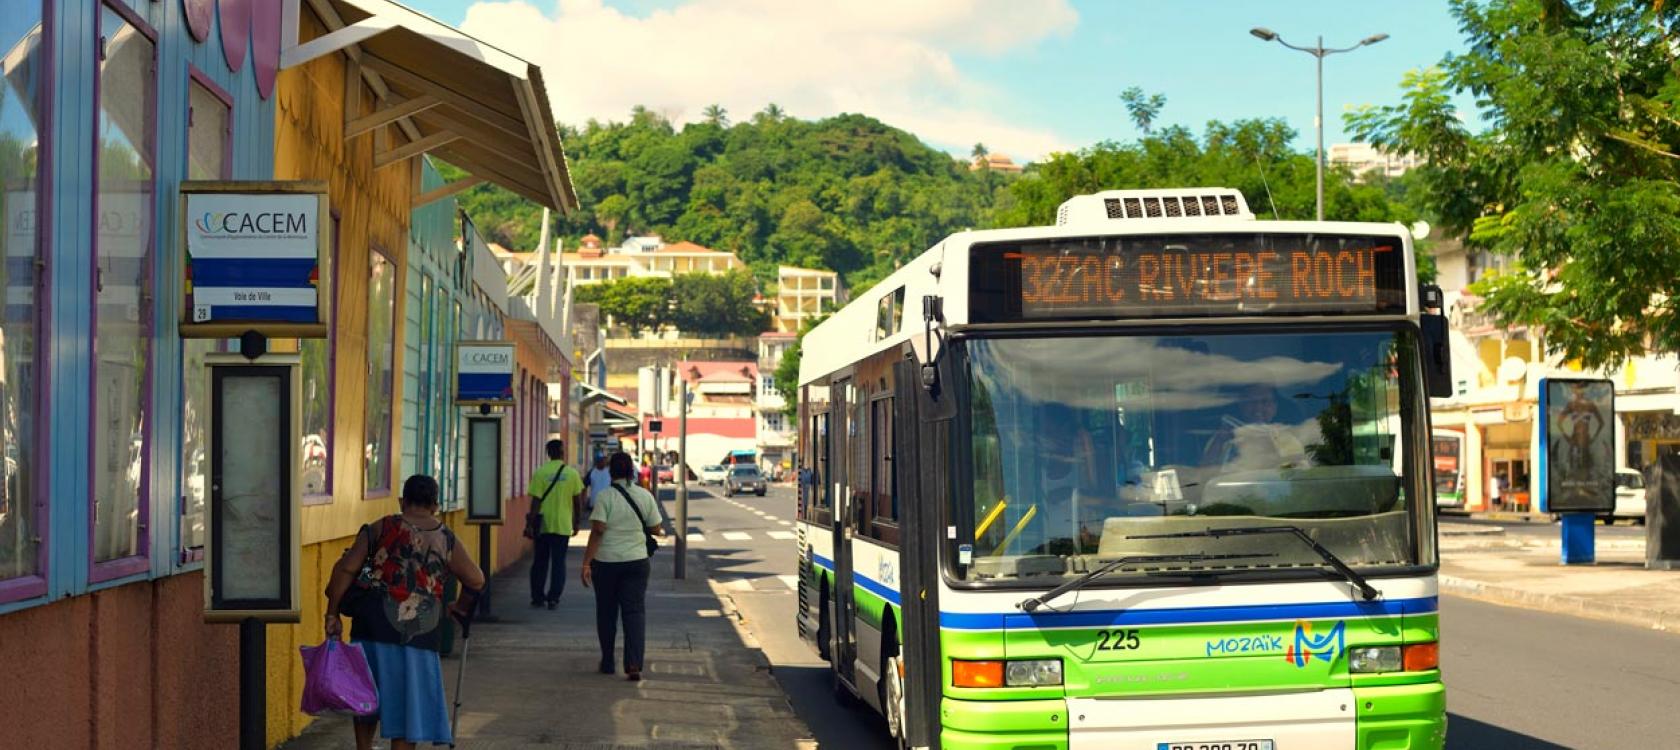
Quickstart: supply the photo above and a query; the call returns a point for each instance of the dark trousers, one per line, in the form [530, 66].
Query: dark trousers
[621, 591]
[550, 563]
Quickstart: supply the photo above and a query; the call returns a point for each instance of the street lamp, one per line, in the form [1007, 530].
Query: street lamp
[1320, 51]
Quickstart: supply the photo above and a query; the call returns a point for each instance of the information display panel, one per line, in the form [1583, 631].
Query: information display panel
[251, 559]
[484, 469]
[1577, 462]
[253, 253]
[1188, 275]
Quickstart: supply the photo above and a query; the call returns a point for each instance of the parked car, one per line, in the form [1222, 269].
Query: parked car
[713, 474]
[745, 478]
[1630, 497]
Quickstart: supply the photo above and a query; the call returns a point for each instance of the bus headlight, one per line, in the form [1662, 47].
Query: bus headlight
[1033, 673]
[1366, 659]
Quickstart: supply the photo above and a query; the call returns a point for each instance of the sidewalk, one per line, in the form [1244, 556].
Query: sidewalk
[531, 679]
[1480, 562]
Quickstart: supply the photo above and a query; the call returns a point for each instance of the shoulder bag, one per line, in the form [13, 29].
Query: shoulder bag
[534, 516]
[652, 541]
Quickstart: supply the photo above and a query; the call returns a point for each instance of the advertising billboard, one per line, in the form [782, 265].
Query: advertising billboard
[484, 372]
[1577, 459]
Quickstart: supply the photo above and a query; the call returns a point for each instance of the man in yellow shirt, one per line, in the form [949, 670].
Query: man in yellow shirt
[556, 491]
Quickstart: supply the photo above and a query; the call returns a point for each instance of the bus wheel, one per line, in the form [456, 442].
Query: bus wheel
[893, 701]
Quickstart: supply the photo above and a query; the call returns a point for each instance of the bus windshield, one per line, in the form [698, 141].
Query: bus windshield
[1080, 442]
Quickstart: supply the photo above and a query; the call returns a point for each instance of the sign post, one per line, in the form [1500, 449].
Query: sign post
[1577, 461]
[681, 469]
[251, 559]
[484, 378]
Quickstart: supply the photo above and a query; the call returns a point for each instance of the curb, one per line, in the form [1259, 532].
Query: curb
[1468, 529]
[1645, 617]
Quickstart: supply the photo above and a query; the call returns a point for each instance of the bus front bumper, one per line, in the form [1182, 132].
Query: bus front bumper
[1398, 717]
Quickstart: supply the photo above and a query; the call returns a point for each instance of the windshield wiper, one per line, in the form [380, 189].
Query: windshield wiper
[1033, 603]
[1366, 590]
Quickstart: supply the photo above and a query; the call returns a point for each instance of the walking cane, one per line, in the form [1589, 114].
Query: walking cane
[460, 674]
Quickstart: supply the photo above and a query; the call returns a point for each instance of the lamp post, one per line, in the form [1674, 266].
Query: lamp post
[1320, 52]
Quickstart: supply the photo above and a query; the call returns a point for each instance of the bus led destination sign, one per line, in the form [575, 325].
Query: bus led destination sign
[1203, 275]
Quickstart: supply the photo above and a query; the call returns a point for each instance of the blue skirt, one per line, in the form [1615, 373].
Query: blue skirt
[411, 702]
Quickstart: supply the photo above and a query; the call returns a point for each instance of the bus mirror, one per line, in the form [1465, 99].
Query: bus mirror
[1437, 356]
[933, 313]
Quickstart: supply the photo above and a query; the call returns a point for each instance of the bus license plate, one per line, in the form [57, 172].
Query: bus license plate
[1220, 745]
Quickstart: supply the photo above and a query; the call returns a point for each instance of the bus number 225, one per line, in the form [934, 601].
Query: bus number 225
[1117, 640]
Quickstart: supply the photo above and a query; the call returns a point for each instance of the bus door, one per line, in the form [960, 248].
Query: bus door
[844, 435]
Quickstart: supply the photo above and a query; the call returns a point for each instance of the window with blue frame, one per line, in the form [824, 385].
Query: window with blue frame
[121, 292]
[22, 90]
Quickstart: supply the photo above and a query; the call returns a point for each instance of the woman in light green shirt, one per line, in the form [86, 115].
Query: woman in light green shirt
[616, 564]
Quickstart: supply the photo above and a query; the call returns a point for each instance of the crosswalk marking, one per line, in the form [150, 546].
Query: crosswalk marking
[696, 538]
[741, 584]
[791, 581]
[736, 536]
[779, 534]
[771, 518]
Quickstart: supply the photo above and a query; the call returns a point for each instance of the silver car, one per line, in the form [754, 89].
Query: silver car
[745, 479]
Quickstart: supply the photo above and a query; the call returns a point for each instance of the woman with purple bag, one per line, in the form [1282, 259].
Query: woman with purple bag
[394, 575]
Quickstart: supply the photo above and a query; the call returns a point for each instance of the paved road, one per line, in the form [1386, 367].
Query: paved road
[1516, 679]
[1527, 680]
[748, 544]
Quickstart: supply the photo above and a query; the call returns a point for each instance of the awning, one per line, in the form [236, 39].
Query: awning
[592, 395]
[450, 95]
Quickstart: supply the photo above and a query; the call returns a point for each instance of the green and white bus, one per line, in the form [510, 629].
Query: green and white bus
[1155, 477]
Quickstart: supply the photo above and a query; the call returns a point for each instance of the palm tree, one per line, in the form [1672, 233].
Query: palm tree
[979, 153]
[1143, 109]
[715, 114]
[770, 113]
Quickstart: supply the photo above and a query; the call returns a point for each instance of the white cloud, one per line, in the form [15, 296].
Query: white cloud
[889, 59]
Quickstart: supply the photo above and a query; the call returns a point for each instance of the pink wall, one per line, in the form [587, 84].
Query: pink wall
[133, 666]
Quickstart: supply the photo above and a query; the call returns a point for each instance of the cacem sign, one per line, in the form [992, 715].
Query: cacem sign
[484, 372]
[254, 255]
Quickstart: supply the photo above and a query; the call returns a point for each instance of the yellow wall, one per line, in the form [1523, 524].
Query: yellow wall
[373, 208]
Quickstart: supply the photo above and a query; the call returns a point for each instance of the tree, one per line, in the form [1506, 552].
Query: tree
[1577, 177]
[1143, 109]
[639, 303]
[610, 211]
[715, 114]
[717, 306]
[979, 153]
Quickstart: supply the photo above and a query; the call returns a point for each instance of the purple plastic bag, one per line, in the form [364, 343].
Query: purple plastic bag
[337, 680]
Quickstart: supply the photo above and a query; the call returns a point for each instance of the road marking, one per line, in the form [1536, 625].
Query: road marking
[696, 538]
[736, 536]
[741, 584]
[771, 518]
[779, 534]
[784, 523]
[791, 581]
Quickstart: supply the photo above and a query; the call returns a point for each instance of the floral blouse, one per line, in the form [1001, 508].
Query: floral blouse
[408, 565]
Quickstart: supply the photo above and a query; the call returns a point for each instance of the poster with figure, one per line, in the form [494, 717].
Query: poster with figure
[1577, 446]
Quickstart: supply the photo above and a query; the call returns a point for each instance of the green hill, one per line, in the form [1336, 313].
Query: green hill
[846, 193]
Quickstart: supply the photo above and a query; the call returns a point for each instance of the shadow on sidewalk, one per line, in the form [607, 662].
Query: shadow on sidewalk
[531, 679]
[1465, 733]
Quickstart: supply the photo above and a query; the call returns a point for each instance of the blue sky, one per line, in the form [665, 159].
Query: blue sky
[1024, 76]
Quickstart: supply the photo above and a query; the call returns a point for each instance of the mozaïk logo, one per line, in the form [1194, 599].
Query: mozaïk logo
[1306, 645]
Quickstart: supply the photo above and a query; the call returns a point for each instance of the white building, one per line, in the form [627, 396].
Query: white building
[802, 294]
[643, 256]
[776, 433]
[1365, 159]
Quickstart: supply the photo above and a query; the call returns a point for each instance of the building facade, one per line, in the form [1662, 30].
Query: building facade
[803, 294]
[105, 108]
[777, 434]
[1497, 371]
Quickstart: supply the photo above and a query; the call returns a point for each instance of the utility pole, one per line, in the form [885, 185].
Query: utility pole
[681, 470]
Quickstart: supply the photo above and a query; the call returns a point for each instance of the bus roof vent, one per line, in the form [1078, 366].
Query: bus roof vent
[1132, 205]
